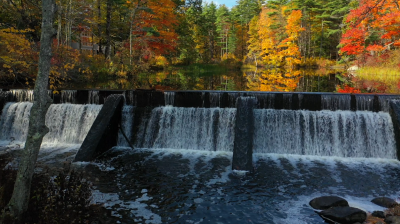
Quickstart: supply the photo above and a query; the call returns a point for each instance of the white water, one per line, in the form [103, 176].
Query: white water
[21, 95]
[169, 98]
[68, 123]
[68, 96]
[94, 97]
[189, 128]
[324, 133]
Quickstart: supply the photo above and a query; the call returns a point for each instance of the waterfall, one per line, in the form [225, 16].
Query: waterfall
[365, 102]
[336, 102]
[287, 101]
[126, 125]
[21, 95]
[169, 98]
[266, 101]
[68, 96]
[68, 123]
[384, 102]
[209, 129]
[324, 133]
[94, 97]
[232, 99]
[215, 99]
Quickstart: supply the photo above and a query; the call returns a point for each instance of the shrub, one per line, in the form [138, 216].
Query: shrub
[64, 198]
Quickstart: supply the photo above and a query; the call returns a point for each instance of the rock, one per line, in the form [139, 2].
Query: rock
[392, 220]
[384, 202]
[326, 202]
[378, 214]
[353, 68]
[344, 215]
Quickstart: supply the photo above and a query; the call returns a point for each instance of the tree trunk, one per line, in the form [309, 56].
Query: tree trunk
[133, 14]
[59, 26]
[99, 25]
[37, 128]
[108, 27]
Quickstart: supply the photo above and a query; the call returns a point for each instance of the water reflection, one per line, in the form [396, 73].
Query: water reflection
[214, 77]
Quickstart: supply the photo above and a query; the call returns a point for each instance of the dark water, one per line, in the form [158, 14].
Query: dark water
[214, 77]
[187, 186]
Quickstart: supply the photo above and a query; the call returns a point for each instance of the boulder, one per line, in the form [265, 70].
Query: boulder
[344, 215]
[378, 214]
[326, 202]
[392, 220]
[384, 202]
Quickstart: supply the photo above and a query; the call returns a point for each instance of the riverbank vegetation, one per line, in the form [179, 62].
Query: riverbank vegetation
[122, 41]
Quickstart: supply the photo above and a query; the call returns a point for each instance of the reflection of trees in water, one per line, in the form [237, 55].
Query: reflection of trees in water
[290, 80]
[272, 80]
[317, 81]
[192, 79]
[220, 78]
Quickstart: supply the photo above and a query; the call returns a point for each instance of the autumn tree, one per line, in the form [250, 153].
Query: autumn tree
[17, 57]
[254, 45]
[154, 30]
[373, 26]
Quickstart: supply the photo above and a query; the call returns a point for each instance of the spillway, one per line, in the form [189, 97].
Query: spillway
[68, 123]
[303, 146]
[209, 129]
[324, 133]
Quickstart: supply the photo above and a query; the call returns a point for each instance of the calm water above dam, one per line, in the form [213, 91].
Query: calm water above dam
[198, 77]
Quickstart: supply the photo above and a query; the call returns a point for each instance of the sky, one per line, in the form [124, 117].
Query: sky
[228, 3]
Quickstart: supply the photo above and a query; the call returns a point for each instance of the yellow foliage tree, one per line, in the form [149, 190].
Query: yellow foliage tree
[17, 56]
[275, 35]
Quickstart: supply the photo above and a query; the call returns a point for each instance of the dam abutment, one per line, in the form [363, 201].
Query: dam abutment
[395, 114]
[103, 134]
[244, 128]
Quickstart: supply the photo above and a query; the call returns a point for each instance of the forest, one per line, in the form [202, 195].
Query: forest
[163, 44]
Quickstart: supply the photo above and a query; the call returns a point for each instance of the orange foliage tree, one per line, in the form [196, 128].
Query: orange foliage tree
[373, 26]
[17, 56]
[155, 28]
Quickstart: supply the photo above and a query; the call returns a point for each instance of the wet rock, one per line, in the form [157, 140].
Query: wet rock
[378, 214]
[326, 202]
[344, 215]
[392, 220]
[384, 202]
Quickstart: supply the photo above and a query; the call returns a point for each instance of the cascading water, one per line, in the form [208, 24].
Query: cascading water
[68, 123]
[384, 102]
[267, 100]
[324, 133]
[94, 97]
[209, 129]
[127, 122]
[365, 102]
[336, 102]
[169, 98]
[68, 96]
[21, 95]
[287, 101]
[215, 99]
